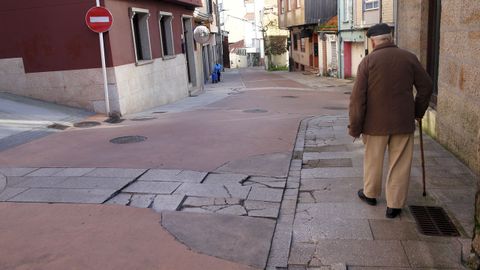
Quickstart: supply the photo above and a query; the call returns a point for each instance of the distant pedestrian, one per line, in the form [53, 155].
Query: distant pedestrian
[383, 110]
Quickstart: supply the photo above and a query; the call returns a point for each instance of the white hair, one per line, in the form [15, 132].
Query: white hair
[382, 38]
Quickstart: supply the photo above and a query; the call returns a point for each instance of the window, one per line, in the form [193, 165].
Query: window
[299, 3]
[288, 3]
[371, 4]
[295, 42]
[347, 10]
[302, 44]
[282, 6]
[141, 37]
[166, 33]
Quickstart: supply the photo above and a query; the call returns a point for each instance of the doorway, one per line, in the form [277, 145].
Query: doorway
[347, 59]
[188, 50]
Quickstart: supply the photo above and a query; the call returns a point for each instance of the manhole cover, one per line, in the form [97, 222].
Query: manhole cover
[335, 108]
[145, 118]
[58, 126]
[289, 96]
[86, 124]
[128, 139]
[255, 111]
[433, 221]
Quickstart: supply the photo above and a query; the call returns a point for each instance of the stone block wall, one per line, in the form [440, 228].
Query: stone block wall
[131, 88]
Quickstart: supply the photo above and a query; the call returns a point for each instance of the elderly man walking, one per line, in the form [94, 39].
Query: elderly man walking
[383, 110]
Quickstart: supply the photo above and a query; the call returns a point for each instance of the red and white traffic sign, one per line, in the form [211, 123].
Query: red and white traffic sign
[99, 19]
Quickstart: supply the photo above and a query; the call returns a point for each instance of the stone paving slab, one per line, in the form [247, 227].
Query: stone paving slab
[435, 255]
[16, 171]
[116, 172]
[152, 187]
[45, 172]
[10, 192]
[3, 182]
[64, 195]
[265, 194]
[122, 199]
[359, 252]
[240, 239]
[316, 230]
[224, 178]
[74, 172]
[38, 182]
[159, 175]
[141, 200]
[94, 182]
[332, 172]
[167, 202]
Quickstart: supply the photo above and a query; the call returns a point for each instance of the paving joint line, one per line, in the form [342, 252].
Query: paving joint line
[124, 187]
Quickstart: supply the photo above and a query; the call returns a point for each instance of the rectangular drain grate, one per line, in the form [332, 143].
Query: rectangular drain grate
[327, 163]
[433, 221]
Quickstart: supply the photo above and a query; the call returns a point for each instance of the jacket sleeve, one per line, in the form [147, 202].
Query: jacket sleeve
[358, 100]
[424, 85]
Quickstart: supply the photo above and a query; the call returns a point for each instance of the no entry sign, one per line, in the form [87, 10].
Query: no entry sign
[99, 19]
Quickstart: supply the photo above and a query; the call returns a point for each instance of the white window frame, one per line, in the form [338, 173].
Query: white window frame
[373, 4]
[347, 10]
[299, 3]
[170, 42]
[146, 44]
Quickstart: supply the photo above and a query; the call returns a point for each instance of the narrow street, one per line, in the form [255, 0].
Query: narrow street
[258, 172]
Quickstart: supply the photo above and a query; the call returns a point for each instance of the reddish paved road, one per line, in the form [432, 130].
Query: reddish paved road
[201, 139]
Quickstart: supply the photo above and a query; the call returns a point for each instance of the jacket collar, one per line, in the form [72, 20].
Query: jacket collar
[385, 45]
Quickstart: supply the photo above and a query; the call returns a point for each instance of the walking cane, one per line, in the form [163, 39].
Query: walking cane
[423, 158]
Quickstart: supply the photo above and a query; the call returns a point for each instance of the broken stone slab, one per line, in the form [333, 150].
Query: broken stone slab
[141, 200]
[152, 187]
[239, 239]
[262, 209]
[121, 198]
[116, 172]
[167, 202]
[225, 178]
[236, 210]
[199, 201]
[71, 172]
[159, 175]
[45, 172]
[10, 192]
[265, 194]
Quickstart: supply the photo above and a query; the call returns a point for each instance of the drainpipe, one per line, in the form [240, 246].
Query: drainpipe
[395, 18]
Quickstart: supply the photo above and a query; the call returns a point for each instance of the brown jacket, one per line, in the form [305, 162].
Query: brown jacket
[382, 101]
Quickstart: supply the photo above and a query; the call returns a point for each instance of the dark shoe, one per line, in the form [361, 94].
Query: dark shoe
[392, 212]
[371, 201]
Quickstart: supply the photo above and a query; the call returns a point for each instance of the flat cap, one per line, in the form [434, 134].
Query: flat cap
[379, 29]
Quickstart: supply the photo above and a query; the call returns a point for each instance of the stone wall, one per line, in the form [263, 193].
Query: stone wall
[131, 88]
[455, 122]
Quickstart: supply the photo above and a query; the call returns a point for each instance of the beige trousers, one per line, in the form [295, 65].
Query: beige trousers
[400, 154]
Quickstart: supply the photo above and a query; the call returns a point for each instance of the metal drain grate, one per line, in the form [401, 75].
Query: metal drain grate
[86, 124]
[158, 112]
[128, 139]
[289, 96]
[327, 163]
[433, 221]
[58, 126]
[255, 111]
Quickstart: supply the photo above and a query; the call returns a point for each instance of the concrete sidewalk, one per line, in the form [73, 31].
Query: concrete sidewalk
[333, 229]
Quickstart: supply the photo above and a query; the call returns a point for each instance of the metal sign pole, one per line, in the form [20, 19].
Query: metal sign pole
[104, 70]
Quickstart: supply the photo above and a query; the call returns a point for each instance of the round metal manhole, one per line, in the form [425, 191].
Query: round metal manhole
[128, 139]
[145, 118]
[335, 108]
[289, 96]
[255, 111]
[86, 124]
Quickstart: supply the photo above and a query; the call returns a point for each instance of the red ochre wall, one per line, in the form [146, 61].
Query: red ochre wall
[48, 34]
[51, 35]
[121, 40]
